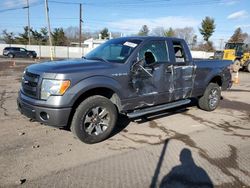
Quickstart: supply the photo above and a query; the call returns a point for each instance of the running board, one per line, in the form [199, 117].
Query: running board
[153, 109]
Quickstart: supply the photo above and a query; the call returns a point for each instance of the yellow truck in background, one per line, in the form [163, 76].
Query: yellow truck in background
[239, 53]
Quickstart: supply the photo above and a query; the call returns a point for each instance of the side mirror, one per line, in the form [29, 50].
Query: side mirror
[138, 67]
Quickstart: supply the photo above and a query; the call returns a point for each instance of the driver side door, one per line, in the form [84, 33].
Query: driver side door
[147, 78]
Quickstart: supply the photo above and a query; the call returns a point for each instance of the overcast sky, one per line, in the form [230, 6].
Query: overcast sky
[127, 16]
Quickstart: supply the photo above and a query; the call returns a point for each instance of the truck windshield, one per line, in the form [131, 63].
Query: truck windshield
[233, 46]
[115, 50]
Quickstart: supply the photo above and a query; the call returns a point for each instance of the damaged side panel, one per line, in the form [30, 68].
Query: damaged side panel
[147, 84]
[183, 79]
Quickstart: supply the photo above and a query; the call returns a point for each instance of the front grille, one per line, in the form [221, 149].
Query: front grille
[30, 84]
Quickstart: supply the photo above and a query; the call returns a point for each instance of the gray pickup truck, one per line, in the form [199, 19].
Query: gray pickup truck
[134, 76]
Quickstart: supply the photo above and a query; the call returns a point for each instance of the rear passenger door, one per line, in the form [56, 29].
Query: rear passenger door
[183, 70]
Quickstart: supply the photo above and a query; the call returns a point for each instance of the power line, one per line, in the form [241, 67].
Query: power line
[10, 9]
[66, 3]
[19, 8]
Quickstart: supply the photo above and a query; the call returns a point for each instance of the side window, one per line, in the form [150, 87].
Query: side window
[155, 51]
[22, 50]
[180, 56]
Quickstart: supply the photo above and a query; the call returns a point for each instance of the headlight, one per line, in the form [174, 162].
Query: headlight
[23, 74]
[53, 87]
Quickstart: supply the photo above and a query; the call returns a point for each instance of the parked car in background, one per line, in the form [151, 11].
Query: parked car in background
[12, 52]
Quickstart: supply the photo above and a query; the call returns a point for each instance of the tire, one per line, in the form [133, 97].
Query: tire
[236, 65]
[248, 67]
[211, 98]
[10, 55]
[31, 56]
[94, 119]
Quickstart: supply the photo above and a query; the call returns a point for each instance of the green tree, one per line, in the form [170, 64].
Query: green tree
[23, 38]
[36, 37]
[8, 37]
[104, 33]
[59, 38]
[207, 28]
[238, 36]
[170, 32]
[44, 32]
[144, 31]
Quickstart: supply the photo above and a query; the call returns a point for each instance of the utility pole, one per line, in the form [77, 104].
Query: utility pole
[28, 8]
[80, 26]
[221, 43]
[49, 30]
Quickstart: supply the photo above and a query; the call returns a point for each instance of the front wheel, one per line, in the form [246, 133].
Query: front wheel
[236, 65]
[10, 55]
[248, 67]
[211, 98]
[94, 119]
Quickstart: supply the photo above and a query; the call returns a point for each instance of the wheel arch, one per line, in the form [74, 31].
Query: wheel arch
[102, 91]
[217, 80]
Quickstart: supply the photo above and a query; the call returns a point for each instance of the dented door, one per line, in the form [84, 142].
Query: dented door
[183, 72]
[183, 79]
[148, 75]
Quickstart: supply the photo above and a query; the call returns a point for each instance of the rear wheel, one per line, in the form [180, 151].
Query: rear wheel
[94, 119]
[31, 56]
[211, 98]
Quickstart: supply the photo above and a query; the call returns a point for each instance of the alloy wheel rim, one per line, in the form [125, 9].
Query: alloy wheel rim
[96, 121]
[213, 98]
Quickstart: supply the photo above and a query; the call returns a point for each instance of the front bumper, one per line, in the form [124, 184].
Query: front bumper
[57, 117]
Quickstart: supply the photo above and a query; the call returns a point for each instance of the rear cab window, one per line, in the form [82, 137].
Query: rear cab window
[181, 55]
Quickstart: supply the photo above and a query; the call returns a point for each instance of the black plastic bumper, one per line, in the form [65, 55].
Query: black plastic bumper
[49, 116]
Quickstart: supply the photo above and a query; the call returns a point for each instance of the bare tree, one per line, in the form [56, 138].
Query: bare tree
[72, 33]
[186, 33]
[144, 31]
[238, 36]
[158, 31]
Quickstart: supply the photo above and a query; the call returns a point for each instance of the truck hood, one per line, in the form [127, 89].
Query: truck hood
[70, 66]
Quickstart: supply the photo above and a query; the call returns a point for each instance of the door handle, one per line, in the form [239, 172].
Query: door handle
[169, 69]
